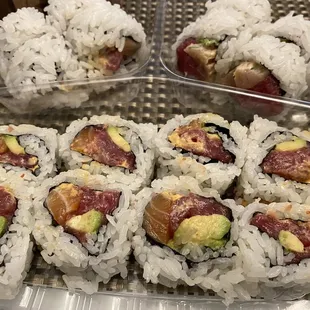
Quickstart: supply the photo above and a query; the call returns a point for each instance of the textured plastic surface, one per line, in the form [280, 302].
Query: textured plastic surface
[155, 97]
[38, 298]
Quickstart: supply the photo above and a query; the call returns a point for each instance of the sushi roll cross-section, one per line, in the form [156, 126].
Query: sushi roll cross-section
[12, 153]
[105, 145]
[16, 224]
[293, 235]
[176, 220]
[81, 210]
[290, 160]
[277, 165]
[274, 242]
[121, 150]
[83, 226]
[182, 227]
[196, 58]
[201, 139]
[28, 152]
[204, 146]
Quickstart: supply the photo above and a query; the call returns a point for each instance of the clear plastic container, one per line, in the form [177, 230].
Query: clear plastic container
[74, 94]
[153, 93]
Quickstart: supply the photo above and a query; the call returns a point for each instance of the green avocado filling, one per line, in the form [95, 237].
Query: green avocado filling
[3, 225]
[203, 230]
[290, 242]
[209, 42]
[292, 145]
[13, 145]
[113, 132]
[89, 222]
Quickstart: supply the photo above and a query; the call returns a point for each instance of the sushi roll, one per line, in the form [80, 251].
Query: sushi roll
[83, 226]
[277, 164]
[28, 152]
[290, 28]
[274, 243]
[196, 48]
[105, 38]
[260, 63]
[204, 146]
[108, 145]
[16, 223]
[33, 53]
[179, 224]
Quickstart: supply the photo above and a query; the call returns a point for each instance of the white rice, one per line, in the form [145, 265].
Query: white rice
[140, 138]
[40, 142]
[263, 257]
[283, 59]
[23, 25]
[111, 250]
[39, 61]
[16, 244]
[215, 175]
[263, 136]
[291, 27]
[238, 15]
[161, 264]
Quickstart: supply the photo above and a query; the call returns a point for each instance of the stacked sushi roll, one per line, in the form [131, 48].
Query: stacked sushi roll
[102, 35]
[247, 51]
[16, 223]
[179, 224]
[108, 145]
[75, 41]
[83, 225]
[28, 152]
[197, 46]
[204, 146]
[245, 63]
[277, 164]
[274, 243]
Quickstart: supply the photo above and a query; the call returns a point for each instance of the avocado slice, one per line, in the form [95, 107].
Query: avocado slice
[13, 145]
[290, 242]
[118, 139]
[3, 225]
[209, 42]
[294, 145]
[88, 222]
[203, 230]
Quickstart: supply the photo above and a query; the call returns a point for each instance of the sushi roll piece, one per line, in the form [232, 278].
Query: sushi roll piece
[260, 63]
[277, 164]
[274, 243]
[179, 224]
[204, 146]
[16, 224]
[28, 152]
[290, 28]
[83, 226]
[105, 38]
[196, 48]
[119, 149]
[33, 53]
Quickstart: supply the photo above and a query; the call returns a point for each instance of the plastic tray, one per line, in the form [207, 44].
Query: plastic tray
[74, 94]
[157, 95]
